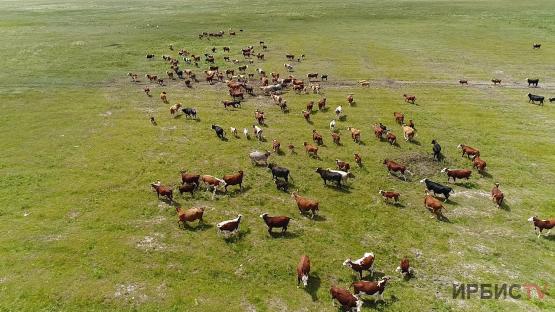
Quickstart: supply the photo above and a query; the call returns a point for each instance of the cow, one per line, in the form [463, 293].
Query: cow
[348, 301]
[328, 175]
[391, 138]
[175, 108]
[234, 179]
[366, 263]
[532, 82]
[276, 222]
[189, 215]
[463, 82]
[456, 174]
[497, 196]
[388, 195]
[379, 131]
[350, 99]
[259, 116]
[317, 137]
[310, 149]
[541, 225]
[408, 133]
[437, 188]
[332, 125]
[305, 204]
[433, 205]
[153, 121]
[306, 115]
[257, 132]
[189, 177]
[279, 172]
[370, 288]
[324, 77]
[469, 151]
[290, 56]
[479, 164]
[536, 46]
[364, 83]
[303, 269]
[405, 269]
[355, 134]
[235, 104]
[229, 227]
[150, 56]
[532, 98]
[358, 159]
[258, 157]
[146, 90]
[496, 81]
[551, 100]
[399, 117]
[219, 131]
[164, 97]
[188, 188]
[288, 66]
[336, 138]
[392, 166]
[276, 146]
[322, 104]
[409, 98]
[342, 165]
[212, 182]
[338, 111]
[190, 112]
[436, 149]
[162, 190]
[246, 133]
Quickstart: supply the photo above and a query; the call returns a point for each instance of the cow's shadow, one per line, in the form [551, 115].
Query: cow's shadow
[485, 174]
[236, 237]
[443, 218]
[415, 142]
[314, 283]
[343, 188]
[282, 235]
[551, 237]
[237, 191]
[172, 203]
[318, 218]
[505, 206]
[467, 184]
[378, 304]
[199, 227]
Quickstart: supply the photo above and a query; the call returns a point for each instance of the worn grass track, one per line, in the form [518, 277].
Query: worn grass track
[82, 230]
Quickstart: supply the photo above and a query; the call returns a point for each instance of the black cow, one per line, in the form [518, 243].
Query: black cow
[328, 175]
[437, 150]
[190, 112]
[535, 98]
[219, 131]
[150, 56]
[279, 172]
[551, 100]
[533, 82]
[536, 45]
[437, 188]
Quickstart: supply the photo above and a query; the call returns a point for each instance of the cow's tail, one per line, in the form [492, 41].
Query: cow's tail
[290, 176]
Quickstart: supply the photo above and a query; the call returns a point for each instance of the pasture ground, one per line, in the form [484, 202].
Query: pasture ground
[82, 230]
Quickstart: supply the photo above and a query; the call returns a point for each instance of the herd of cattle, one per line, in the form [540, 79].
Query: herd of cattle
[275, 89]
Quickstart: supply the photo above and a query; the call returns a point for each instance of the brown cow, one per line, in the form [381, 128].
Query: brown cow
[391, 138]
[409, 98]
[387, 195]
[479, 164]
[234, 179]
[163, 190]
[275, 146]
[187, 188]
[322, 104]
[366, 263]
[469, 151]
[189, 215]
[433, 205]
[336, 138]
[310, 149]
[164, 97]
[404, 268]
[229, 227]
[408, 133]
[395, 167]
[310, 106]
[399, 117]
[317, 137]
[345, 299]
[457, 174]
[370, 288]
[497, 196]
[342, 165]
[306, 115]
[542, 225]
[275, 222]
[355, 134]
[303, 269]
[189, 177]
[350, 99]
[358, 159]
[305, 204]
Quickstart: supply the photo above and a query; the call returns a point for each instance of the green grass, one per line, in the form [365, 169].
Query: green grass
[82, 230]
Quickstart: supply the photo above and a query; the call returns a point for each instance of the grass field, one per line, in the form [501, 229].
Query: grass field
[83, 231]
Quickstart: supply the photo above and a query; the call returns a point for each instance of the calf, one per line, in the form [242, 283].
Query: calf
[331, 176]
[279, 172]
[219, 131]
[310, 149]
[322, 104]
[259, 157]
[404, 268]
[390, 195]
[542, 225]
[358, 159]
[317, 137]
[497, 196]
[303, 269]
[341, 165]
[234, 179]
[234, 132]
[229, 227]
[163, 190]
[366, 263]
[457, 174]
[189, 215]
[409, 98]
[190, 112]
[345, 299]
[479, 164]
[437, 188]
[469, 151]
[399, 117]
[532, 82]
[187, 188]
[433, 205]
[305, 204]
[336, 138]
[275, 222]
[395, 167]
[532, 98]
[370, 288]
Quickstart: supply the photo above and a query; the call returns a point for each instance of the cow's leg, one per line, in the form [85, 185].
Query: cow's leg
[547, 234]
